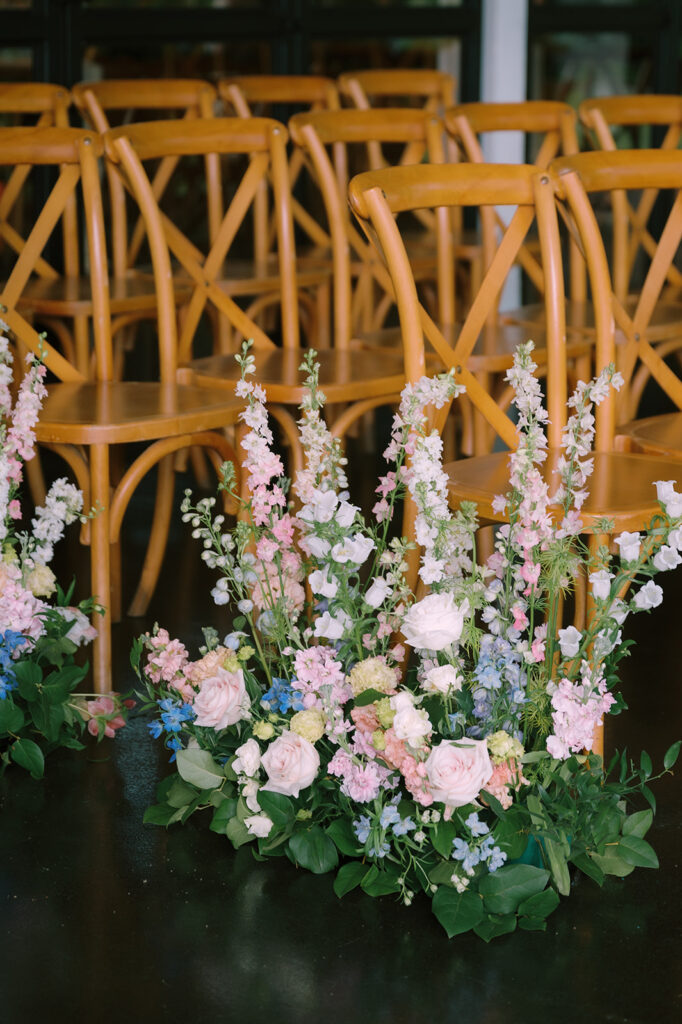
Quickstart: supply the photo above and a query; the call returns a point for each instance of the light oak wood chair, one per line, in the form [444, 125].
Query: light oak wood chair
[82, 419]
[360, 380]
[622, 485]
[582, 180]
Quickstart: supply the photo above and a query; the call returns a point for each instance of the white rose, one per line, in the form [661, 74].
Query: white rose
[666, 558]
[629, 544]
[222, 700]
[409, 723]
[458, 771]
[648, 596]
[443, 679]
[569, 641]
[291, 763]
[434, 622]
[259, 825]
[247, 761]
[669, 498]
[378, 592]
[322, 583]
[601, 584]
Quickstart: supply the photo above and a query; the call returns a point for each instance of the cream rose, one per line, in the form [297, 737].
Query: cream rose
[443, 679]
[222, 700]
[457, 771]
[409, 723]
[434, 623]
[291, 763]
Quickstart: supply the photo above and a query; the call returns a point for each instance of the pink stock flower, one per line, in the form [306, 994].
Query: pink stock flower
[98, 709]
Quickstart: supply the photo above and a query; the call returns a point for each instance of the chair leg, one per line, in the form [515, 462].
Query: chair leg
[100, 568]
[156, 549]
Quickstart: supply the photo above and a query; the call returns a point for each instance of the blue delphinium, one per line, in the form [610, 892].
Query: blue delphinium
[173, 716]
[362, 827]
[282, 697]
[499, 690]
[9, 641]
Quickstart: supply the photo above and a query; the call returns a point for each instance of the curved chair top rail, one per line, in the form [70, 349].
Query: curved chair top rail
[526, 116]
[392, 125]
[622, 169]
[399, 82]
[29, 144]
[632, 110]
[152, 139]
[281, 89]
[159, 93]
[433, 185]
[32, 97]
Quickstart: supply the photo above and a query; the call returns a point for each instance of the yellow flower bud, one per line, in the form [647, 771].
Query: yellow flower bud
[263, 730]
[309, 724]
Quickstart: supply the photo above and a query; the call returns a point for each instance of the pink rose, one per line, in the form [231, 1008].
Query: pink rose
[291, 763]
[222, 700]
[457, 771]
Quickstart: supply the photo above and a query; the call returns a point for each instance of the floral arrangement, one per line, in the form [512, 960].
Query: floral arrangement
[434, 745]
[39, 709]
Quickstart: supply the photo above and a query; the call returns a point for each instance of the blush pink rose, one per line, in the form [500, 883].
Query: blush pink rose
[291, 763]
[222, 700]
[458, 771]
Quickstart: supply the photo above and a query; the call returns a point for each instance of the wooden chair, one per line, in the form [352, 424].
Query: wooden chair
[82, 419]
[363, 379]
[582, 180]
[622, 484]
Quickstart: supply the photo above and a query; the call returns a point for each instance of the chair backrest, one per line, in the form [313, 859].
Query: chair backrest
[251, 151]
[640, 118]
[325, 138]
[70, 155]
[113, 102]
[428, 89]
[550, 124]
[378, 196]
[645, 337]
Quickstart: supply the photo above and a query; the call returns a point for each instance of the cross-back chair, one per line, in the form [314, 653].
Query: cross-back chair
[84, 419]
[583, 179]
[622, 484]
[258, 145]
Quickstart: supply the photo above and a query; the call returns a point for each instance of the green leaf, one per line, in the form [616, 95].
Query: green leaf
[457, 912]
[28, 755]
[588, 867]
[508, 886]
[442, 873]
[314, 850]
[638, 824]
[540, 905]
[368, 697]
[443, 834]
[11, 716]
[159, 814]
[278, 808]
[637, 852]
[511, 836]
[649, 797]
[611, 864]
[28, 675]
[558, 866]
[47, 718]
[58, 685]
[380, 883]
[671, 755]
[342, 834]
[533, 924]
[645, 764]
[493, 925]
[198, 768]
[237, 832]
[349, 877]
[181, 793]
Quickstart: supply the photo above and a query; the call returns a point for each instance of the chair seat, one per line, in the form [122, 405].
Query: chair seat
[252, 277]
[665, 322]
[346, 375]
[119, 412]
[72, 296]
[655, 435]
[620, 488]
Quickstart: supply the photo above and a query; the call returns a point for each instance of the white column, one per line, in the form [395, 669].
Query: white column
[504, 60]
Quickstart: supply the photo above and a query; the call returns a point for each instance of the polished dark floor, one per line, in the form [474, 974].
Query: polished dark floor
[104, 919]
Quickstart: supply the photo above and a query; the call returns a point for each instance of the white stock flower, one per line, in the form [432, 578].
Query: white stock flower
[332, 627]
[667, 558]
[409, 723]
[431, 570]
[569, 641]
[601, 584]
[669, 498]
[377, 593]
[648, 596]
[629, 544]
